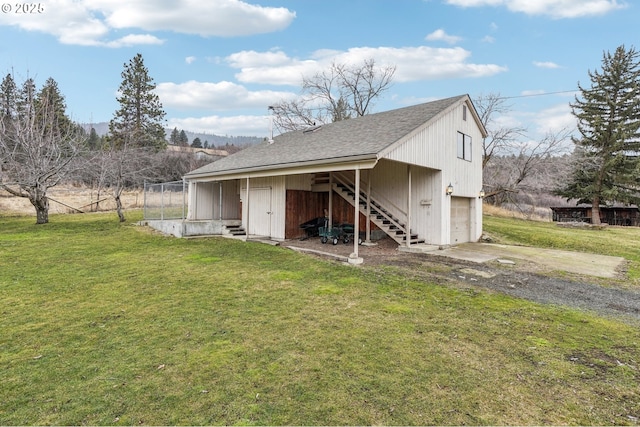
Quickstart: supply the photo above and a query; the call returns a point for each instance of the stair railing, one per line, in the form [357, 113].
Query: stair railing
[376, 204]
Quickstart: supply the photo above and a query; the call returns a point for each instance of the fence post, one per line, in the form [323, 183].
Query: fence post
[184, 195]
[162, 202]
[144, 199]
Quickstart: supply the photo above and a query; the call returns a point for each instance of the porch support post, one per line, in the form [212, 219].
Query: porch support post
[195, 213]
[247, 201]
[408, 233]
[330, 213]
[354, 258]
[368, 224]
[220, 201]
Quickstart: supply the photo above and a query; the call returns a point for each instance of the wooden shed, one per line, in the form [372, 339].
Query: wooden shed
[612, 215]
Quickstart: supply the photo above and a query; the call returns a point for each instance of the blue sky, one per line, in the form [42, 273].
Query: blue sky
[218, 64]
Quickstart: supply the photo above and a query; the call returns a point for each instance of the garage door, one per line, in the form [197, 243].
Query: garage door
[460, 220]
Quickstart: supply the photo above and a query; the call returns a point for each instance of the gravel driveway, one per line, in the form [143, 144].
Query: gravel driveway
[525, 277]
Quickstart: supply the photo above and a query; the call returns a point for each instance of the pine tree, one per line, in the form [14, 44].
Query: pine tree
[183, 139]
[139, 121]
[175, 135]
[51, 108]
[8, 97]
[94, 140]
[25, 102]
[608, 146]
[197, 143]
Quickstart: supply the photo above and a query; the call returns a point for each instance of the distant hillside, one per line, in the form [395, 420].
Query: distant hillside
[102, 128]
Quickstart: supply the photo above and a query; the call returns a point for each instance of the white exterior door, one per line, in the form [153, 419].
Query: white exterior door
[260, 211]
[460, 220]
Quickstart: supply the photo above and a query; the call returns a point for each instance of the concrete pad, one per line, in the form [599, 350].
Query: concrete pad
[419, 248]
[573, 262]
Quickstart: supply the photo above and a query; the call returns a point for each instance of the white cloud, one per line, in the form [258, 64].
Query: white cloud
[134, 40]
[190, 59]
[555, 119]
[441, 35]
[553, 8]
[89, 22]
[215, 96]
[224, 18]
[234, 125]
[412, 63]
[550, 65]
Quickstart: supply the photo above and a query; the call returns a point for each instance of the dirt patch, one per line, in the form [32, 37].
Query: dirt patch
[531, 275]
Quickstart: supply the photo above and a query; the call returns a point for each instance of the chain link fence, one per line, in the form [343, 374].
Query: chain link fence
[166, 200]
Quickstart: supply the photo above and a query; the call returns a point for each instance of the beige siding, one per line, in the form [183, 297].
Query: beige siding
[436, 147]
[299, 182]
[201, 200]
[277, 205]
[390, 181]
[204, 200]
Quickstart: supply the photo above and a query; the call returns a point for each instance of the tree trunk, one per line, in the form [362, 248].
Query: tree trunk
[595, 211]
[119, 209]
[41, 203]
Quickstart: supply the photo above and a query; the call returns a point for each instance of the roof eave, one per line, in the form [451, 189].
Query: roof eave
[365, 161]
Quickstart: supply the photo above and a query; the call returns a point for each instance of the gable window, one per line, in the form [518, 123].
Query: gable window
[464, 113]
[464, 146]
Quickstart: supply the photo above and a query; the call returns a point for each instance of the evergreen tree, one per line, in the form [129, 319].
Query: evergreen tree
[8, 97]
[608, 148]
[183, 139]
[139, 121]
[25, 102]
[50, 102]
[94, 140]
[175, 136]
[197, 143]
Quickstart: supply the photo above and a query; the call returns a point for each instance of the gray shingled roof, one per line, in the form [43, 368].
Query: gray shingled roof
[339, 141]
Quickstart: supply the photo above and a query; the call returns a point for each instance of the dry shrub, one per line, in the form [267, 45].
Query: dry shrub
[521, 212]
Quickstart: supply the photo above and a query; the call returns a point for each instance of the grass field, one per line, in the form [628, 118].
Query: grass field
[107, 324]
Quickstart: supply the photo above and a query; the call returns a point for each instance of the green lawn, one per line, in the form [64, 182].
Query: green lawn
[106, 324]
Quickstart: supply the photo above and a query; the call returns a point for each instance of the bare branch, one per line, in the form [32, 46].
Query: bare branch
[338, 93]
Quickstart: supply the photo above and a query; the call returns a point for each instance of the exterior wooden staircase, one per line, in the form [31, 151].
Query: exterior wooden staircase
[394, 227]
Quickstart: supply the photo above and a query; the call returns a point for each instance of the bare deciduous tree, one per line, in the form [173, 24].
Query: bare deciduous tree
[501, 139]
[509, 160]
[124, 166]
[338, 93]
[38, 144]
[526, 169]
